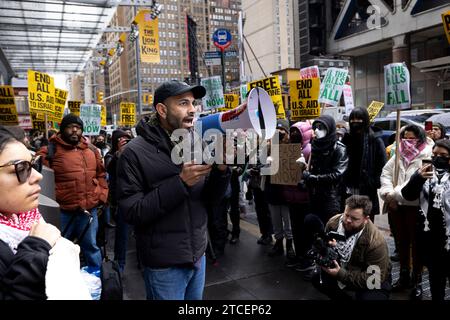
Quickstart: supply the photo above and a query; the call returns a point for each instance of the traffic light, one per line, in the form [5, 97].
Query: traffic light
[99, 96]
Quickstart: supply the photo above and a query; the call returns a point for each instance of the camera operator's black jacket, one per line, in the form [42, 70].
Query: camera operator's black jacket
[370, 249]
[169, 217]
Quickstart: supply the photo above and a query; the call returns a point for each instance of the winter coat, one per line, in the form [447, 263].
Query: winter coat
[324, 185]
[22, 275]
[169, 218]
[370, 249]
[387, 176]
[80, 177]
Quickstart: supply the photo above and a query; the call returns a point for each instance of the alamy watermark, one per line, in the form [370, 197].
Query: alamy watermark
[239, 148]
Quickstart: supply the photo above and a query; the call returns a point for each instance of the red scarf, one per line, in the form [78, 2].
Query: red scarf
[409, 150]
[22, 220]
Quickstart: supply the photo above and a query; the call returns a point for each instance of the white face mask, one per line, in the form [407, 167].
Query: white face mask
[320, 133]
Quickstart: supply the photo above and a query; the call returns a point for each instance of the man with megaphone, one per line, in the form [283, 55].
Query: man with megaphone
[166, 202]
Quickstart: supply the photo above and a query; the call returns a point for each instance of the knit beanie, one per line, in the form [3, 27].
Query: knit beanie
[69, 119]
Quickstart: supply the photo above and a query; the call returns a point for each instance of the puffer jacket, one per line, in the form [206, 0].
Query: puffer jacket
[299, 194]
[387, 176]
[80, 177]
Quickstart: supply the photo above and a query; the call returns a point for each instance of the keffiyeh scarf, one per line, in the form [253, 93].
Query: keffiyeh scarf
[15, 227]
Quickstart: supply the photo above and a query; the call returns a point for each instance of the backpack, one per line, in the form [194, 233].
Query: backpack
[51, 149]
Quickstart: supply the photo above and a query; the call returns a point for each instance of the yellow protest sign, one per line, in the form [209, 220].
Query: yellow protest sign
[273, 88]
[60, 103]
[127, 114]
[38, 122]
[231, 102]
[446, 22]
[374, 108]
[74, 107]
[147, 98]
[103, 116]
[41, 93]
[304, 98]
[148, 37]
[8, 111]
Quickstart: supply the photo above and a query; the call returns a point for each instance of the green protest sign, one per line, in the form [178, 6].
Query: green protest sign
[396, 86]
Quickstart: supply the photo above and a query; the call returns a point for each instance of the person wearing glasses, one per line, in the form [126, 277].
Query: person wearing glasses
[25, 238]
[80, 180]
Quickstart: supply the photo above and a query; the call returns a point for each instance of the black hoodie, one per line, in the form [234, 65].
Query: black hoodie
[169, 217]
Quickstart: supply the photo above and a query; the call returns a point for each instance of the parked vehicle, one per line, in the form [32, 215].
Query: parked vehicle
[389, 125]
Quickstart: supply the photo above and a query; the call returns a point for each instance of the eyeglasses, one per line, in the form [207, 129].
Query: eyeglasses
[23, 167]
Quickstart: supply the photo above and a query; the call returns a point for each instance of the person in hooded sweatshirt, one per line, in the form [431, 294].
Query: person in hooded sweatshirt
[326, 169]
[366, 158]
[167, 202]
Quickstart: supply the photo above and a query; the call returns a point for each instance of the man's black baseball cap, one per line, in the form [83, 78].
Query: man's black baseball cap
[175, 88]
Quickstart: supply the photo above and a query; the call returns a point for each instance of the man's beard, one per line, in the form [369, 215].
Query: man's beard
[71, 139]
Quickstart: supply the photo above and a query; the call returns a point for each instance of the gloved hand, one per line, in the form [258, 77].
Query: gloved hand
[309, 178]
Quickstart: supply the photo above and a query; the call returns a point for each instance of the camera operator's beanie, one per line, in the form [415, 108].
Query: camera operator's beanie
[69, 119]
[283, 124]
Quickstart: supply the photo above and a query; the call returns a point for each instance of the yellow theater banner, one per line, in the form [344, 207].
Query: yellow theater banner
[41, 93]
[273, 88]
[304, 98]
[103, 116]
[446, 22]
[74, 106]
[148, 37]
[60, 103]
[231, 101]
[127, 114]
[8, 111]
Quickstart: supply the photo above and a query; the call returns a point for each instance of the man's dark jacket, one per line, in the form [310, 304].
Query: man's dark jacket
[169, 218]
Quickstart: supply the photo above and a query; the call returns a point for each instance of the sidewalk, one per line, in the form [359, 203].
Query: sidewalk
[246, 272]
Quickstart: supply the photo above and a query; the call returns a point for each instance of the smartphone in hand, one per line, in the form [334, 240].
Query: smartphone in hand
[427, 161]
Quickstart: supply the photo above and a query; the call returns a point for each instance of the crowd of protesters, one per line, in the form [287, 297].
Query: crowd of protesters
[131, 185]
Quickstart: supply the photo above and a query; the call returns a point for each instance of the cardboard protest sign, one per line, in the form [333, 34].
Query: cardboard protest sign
[310, 72]
[214, 93]
[396, 86]
[74, 107]
[41, 93]
[60, 103]
[332, 86]
[90, 114]
[231, 102]
[273, 88]
[148, 37]
[8, 111]
[289, 172]
[304, 94]
[374, 109]
[127, 114]
[348, 99]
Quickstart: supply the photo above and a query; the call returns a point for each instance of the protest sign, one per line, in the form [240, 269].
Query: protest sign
[8, 111]
[289, 172]
[304, 94]
[332, 85]
[348, 99]
[231, 102]
[90, 114]
[60, 103]
[127, 114]
[273, 88]
[243, 91]
[446, 22]
[374, 109]
[214, 93]
[74, 107]
[41, 93]
[103, 115]
[396, 86]
[309, 72]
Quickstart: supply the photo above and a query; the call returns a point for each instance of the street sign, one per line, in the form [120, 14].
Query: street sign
[222, 39]
[230, 54]
[212, 58]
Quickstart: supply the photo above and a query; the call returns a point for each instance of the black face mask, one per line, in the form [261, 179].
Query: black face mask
[356, 126]
[440, 162]
[100, 145]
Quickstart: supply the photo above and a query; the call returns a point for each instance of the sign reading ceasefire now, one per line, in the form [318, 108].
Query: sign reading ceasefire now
[273, 88]
[127, 114]
[8, 111]
[41, 93]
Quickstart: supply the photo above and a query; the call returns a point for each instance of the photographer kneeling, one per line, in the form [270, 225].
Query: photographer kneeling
[363, 269]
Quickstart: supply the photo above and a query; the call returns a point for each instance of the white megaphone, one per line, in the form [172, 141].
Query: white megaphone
[258, 114]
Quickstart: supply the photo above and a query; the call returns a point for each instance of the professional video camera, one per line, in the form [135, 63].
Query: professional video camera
[322, 253]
